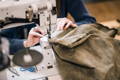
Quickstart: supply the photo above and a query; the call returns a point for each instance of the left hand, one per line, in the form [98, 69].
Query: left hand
[64, 23]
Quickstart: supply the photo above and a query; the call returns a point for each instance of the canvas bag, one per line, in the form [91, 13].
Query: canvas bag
[88, 52]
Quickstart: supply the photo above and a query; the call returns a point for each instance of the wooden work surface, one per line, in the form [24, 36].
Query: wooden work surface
[105, 10]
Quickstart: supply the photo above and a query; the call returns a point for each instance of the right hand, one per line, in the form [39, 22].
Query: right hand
[33, 37]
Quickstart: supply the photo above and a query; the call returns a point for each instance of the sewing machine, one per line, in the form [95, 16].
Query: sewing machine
[14, 13]
[21, 12]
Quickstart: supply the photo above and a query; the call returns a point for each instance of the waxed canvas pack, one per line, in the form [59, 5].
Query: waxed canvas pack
[88, 52]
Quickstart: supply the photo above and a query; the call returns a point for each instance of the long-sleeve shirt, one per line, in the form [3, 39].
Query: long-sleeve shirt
[78, 11]
[75, 7]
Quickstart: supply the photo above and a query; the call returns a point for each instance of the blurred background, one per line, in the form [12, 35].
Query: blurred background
[104, 10]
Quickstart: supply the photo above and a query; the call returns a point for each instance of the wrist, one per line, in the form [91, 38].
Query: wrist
[26, 44]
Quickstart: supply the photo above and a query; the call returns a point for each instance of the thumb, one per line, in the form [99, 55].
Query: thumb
[74, 25]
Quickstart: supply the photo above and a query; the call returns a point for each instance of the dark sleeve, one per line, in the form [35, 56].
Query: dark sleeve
[77, 9]
[63, 9]
[15, 36]
[16, 45]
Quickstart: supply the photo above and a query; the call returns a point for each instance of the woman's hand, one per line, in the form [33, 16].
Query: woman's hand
[64, 23]
[33, 37]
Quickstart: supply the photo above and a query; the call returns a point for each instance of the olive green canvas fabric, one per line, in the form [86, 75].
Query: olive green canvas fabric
[87, 52]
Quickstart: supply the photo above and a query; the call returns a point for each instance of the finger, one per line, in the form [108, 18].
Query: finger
[37, 29]
[59, 19]
[36, 34]
[61, 25]
[58, 25]
[74, 25]
[68, 25]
